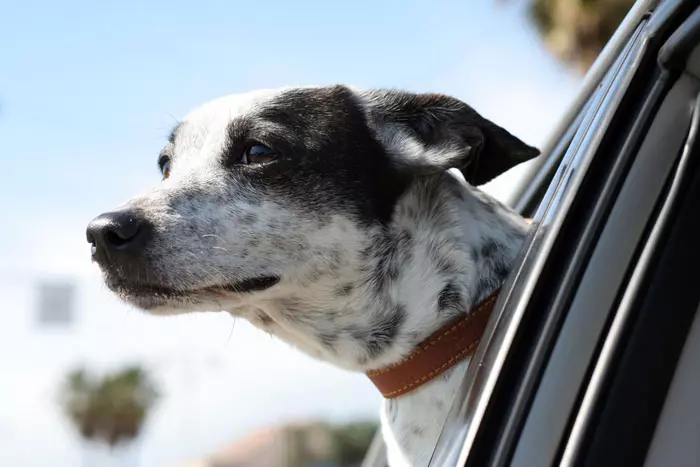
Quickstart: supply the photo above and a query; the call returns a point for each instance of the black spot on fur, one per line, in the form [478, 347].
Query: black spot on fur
[485, 286]
[493, 267]
[336, 257]
[381, 332]
[328, 340]
[265, 320]
[344, 290]
[475, 253]
[494, 258]
[249, 218]
[442, 262]
[446, 266]
[292, 309]
[388, 253]
[450, 298]
[490, 249]
[392, 409]
[314, 273]
[501, 271]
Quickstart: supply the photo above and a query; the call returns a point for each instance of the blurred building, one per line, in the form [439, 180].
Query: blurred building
[55, 304]
[298, 445]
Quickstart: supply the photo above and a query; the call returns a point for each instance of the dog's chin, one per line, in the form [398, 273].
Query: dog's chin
[159, 299]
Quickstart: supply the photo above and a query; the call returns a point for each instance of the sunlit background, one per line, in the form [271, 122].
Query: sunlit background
[88, 94]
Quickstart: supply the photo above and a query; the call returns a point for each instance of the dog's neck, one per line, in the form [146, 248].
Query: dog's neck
[481, 238]
[452, 246]
[447, 248]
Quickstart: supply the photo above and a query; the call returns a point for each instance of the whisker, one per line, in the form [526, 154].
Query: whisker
[233, 326]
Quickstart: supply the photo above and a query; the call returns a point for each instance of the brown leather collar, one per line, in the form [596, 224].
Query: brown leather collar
[440, 352]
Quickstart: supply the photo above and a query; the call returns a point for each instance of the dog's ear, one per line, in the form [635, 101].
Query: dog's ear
[427, 133]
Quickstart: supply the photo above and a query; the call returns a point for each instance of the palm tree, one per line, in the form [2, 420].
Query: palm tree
[577, 30]
[111, 409]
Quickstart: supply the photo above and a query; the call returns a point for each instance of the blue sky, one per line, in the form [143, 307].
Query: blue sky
[88, 94]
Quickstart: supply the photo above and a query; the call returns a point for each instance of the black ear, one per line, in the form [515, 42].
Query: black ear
[433, 132]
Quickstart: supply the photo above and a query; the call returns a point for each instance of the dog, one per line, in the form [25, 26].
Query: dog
[345, 222]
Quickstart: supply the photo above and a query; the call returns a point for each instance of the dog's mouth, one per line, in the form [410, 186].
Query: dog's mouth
[256, 284]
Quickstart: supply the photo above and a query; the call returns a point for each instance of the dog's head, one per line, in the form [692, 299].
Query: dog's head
[277, 190]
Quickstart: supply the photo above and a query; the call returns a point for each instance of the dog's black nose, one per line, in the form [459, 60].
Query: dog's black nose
[118, 232]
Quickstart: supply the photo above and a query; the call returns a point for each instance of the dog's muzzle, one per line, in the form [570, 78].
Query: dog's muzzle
[120, 243]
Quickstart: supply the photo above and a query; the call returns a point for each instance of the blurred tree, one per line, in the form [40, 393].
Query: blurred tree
[111, 409]
[352, 442]
[577, 30]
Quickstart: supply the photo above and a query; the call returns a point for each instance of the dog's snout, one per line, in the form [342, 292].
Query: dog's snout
[118, 232]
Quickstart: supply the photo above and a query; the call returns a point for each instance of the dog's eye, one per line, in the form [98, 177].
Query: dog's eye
[164, 164]
[257, 154]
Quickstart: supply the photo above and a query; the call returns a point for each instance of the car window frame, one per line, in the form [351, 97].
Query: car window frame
[556, 203]
[625, 359]
[635, 323]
